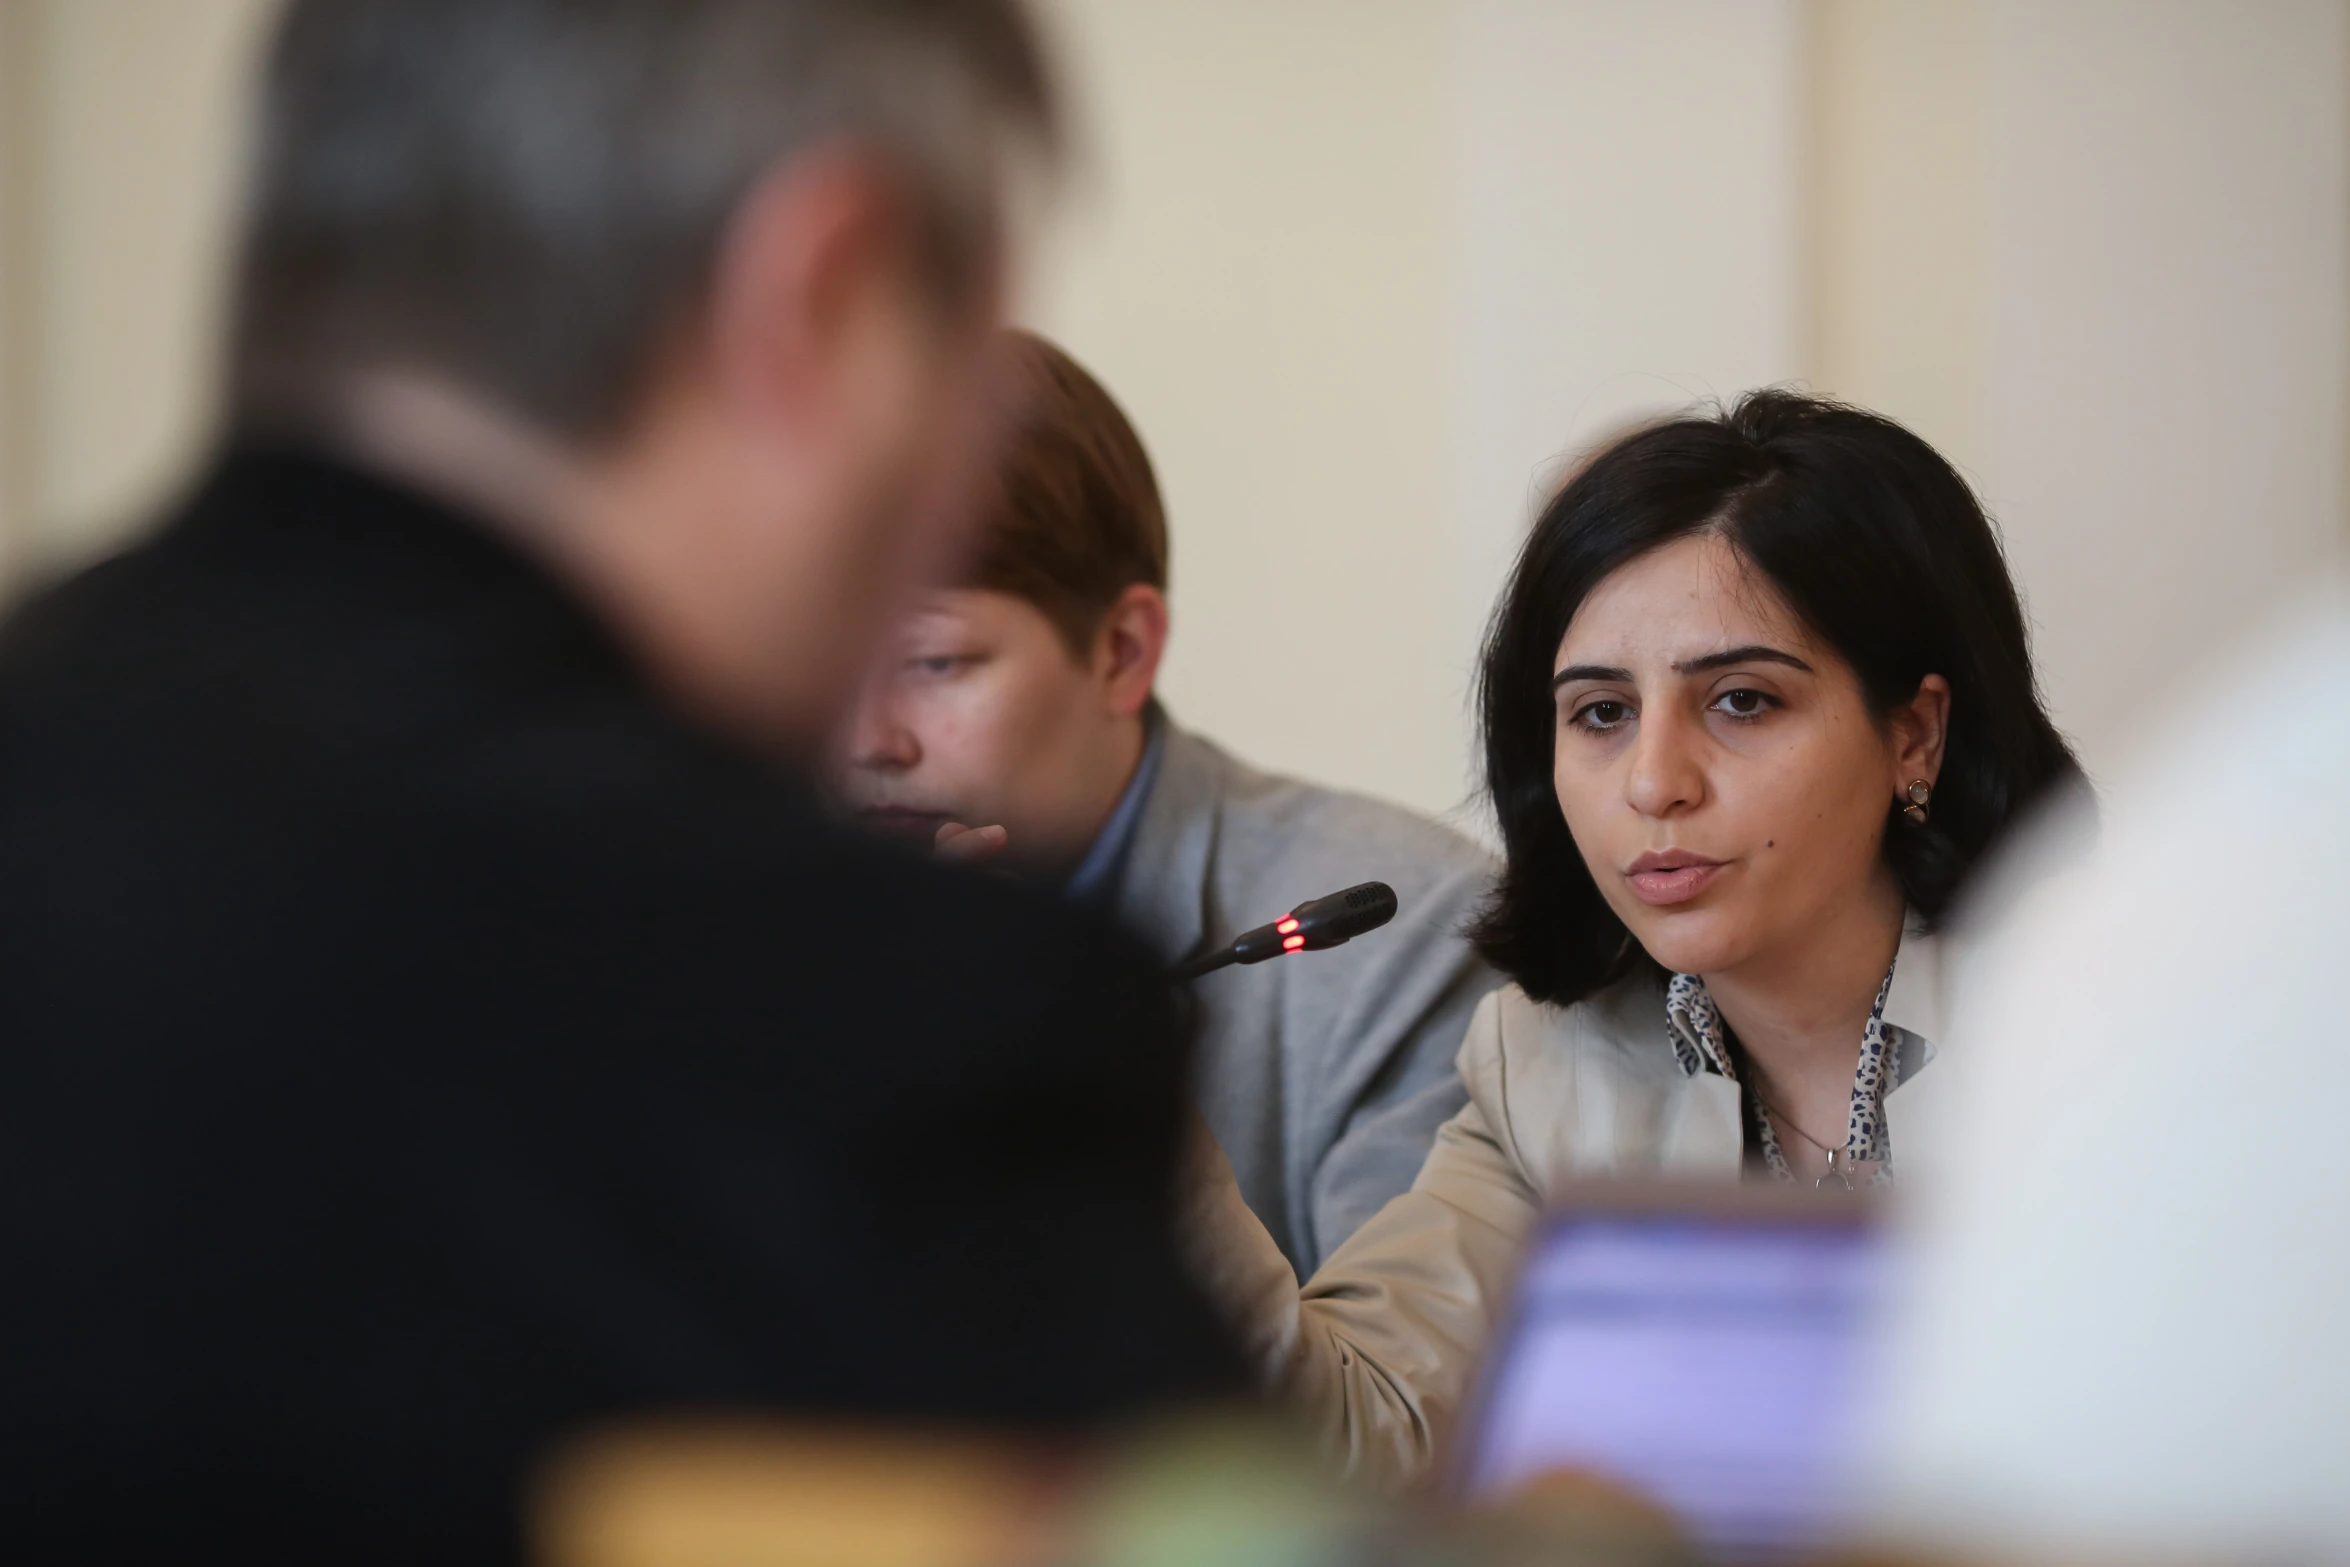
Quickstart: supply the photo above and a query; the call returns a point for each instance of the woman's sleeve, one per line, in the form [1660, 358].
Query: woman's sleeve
[1379, 1350]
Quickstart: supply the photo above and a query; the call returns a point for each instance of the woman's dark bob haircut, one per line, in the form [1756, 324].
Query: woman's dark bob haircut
[1871, 539]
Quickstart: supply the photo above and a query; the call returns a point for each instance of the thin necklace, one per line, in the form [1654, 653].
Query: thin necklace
[1839, 1159]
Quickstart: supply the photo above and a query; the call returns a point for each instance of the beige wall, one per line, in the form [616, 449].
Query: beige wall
[125, 130]
[15, 412]
[1900, 154]
[1365, 270]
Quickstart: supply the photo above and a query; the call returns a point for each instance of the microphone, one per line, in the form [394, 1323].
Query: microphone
[1323, 922]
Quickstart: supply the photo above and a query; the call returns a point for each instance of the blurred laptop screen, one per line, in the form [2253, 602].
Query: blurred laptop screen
[1706, 1362]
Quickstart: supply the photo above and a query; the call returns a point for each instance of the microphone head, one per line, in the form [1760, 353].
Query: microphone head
[1324, 922]
[1327, 921]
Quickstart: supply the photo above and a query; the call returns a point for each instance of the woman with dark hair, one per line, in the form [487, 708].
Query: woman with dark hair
[1757, 697]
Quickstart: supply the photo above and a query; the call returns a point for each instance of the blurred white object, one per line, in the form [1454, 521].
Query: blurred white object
[2126, 1324]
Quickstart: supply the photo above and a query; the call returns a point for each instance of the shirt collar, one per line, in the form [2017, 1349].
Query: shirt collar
[1091, 880]
[1919, 1002]
[1694, 1025]
[1916, 1003]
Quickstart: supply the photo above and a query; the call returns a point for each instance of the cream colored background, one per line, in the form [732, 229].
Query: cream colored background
[1366, 271]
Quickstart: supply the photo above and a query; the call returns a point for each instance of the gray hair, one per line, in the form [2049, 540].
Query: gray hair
[527, 196]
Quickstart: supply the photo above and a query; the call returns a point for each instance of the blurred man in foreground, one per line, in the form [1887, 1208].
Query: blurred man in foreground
[1018, 705]
[433, 1015]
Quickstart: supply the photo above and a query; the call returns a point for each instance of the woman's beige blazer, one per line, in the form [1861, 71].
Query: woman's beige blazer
[1382, 1345]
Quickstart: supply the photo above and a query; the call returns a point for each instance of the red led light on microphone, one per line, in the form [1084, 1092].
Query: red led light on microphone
[1312, 926]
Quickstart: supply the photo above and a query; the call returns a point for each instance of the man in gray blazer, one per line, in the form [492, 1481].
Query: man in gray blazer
[1015, 720]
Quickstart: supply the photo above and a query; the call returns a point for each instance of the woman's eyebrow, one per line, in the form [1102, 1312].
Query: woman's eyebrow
[1752, 653]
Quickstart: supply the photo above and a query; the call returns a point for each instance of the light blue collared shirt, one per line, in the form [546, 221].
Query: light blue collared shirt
[1091, 880]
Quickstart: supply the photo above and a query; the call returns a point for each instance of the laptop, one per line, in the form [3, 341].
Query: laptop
[1699, 1346]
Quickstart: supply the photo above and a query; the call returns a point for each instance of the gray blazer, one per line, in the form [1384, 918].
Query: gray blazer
[1324, 1076]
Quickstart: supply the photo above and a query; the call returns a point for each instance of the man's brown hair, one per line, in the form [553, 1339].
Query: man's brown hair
[1073, 518]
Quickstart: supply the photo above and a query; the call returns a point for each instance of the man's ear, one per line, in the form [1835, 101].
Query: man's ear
[1127, 649]
[810, 253]
[1920, 728]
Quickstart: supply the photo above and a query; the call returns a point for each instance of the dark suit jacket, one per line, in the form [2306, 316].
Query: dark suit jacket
[417, 1043]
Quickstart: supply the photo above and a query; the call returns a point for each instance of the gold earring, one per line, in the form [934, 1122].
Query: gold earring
[1921, 795]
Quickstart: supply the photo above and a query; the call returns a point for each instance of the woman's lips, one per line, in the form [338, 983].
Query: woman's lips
[1672, 877]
